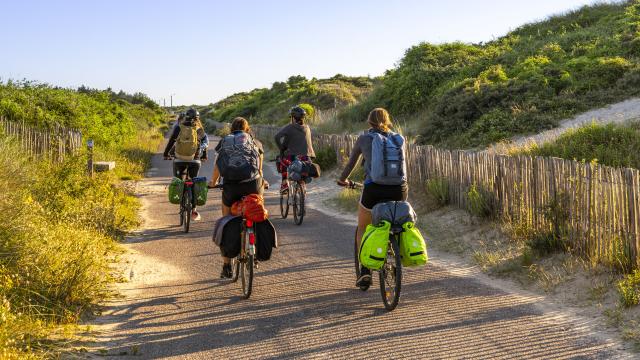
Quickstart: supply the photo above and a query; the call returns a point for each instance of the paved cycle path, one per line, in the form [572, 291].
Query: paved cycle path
[305, 304]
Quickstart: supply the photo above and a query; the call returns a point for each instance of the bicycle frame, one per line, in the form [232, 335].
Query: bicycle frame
[248, 242]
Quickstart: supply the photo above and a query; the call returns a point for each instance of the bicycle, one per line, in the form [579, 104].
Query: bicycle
[186, 202]
[298, 202]
[244, 264]
[186, 205]
[390, 275]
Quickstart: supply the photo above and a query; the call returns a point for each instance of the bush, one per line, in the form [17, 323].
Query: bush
[308, 108]
[223, 131]
[546, 243]
[629, 289]
[326, 158]
[438, 190]
[480, 202]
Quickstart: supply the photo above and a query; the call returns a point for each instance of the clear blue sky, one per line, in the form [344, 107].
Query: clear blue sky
[202, 51]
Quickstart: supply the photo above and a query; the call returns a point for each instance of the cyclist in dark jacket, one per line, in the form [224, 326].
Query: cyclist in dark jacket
[294, 141]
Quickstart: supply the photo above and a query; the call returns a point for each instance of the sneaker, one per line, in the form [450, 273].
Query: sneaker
[284, 188]
[365, 277]
[195, 216]
[227, 273]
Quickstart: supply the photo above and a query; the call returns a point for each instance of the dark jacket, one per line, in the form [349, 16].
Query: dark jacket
[203, 142]
[295, 139]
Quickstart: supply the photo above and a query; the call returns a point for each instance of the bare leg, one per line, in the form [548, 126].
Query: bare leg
[364, 219]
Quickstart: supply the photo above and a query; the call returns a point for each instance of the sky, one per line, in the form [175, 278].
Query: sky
[198, 52]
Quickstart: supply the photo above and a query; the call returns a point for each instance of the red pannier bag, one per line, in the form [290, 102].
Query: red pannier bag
[252, 207]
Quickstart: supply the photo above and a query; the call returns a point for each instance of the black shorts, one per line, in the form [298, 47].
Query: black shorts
[181, 168]
[374, 193]
[234, 192]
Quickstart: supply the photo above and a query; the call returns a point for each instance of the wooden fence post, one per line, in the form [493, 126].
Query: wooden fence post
[90, 157]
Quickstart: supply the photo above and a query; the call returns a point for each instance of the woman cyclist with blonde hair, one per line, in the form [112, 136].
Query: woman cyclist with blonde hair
[379, 122]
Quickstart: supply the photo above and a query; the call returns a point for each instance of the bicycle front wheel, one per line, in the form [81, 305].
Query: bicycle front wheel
[246, 273]
[298, 204]
[284, 204]
[391, 276]
[186, 198]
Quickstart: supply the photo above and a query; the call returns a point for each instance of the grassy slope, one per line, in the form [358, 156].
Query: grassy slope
[612, 144]
[270, 105]
[474, 94]
[60, 227]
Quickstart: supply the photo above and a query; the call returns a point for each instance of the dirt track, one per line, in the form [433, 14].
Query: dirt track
[305, 304]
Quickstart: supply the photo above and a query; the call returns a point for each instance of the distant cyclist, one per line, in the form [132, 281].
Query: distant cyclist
[239, 163]
[191, 144]
[380, 128]
[294, 141]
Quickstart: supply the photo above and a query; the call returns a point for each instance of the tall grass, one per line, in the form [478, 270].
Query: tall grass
[615, 145]
[57, 241]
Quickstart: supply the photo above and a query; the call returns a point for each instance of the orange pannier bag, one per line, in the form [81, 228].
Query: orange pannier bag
[252, 207]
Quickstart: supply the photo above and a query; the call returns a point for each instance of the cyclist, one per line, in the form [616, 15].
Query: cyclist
[380, 122]
[244, 148]
[294, 141]
[190, 149]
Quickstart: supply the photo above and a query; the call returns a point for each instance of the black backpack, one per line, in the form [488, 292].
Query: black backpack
[238, 158]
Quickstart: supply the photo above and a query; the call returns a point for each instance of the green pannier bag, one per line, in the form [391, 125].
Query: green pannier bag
[413, 249]
[176, 187]
[374, 245]
[201, 190]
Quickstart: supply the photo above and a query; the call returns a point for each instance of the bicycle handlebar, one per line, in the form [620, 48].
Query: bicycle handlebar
[353, 185]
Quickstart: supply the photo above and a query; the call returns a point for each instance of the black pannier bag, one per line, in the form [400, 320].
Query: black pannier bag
[266, 239]
[226, 234]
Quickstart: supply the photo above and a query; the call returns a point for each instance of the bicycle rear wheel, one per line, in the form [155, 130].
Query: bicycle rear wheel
[246, 273]
[391, 276]
[186, 198]
[298, 204]
[284, 204]
[236, 269]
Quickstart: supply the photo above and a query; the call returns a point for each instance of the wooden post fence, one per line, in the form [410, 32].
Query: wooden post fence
[54, 143]
[595, 206]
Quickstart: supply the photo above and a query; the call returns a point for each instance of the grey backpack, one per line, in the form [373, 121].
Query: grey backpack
[387, 159]
[395, 212]
[238, 158]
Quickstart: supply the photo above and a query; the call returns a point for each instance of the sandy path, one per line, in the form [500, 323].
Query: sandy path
[305, 304]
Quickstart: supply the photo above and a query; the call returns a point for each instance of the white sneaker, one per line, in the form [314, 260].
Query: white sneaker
[195, 216]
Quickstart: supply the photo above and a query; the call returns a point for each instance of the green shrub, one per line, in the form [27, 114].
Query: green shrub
[223, 131]
[480, 202]
[546, 243]
[629, 289]
[438, 190]
[308, 108]
[326, 158]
